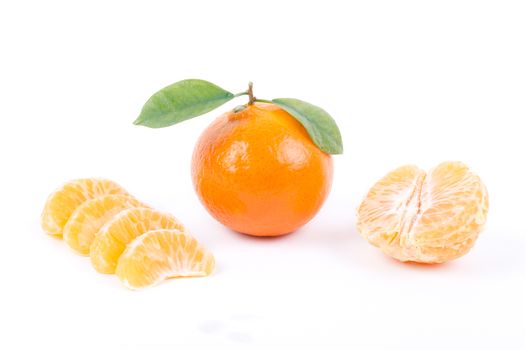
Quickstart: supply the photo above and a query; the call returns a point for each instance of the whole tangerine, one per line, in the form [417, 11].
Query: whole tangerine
[257, 171]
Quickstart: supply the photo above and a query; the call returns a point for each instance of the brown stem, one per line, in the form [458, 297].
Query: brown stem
[250, 93]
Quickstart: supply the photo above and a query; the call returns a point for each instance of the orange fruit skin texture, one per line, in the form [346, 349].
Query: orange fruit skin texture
[426, 218]
[258, 172]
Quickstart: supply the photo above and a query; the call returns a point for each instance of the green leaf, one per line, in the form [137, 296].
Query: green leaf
[181, 101]
[318, 123]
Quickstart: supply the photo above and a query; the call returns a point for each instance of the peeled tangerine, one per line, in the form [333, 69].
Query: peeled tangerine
[87, 219]
[112, 239]
[160, 254]
[97, 217]
[61, 204]
[427, 218]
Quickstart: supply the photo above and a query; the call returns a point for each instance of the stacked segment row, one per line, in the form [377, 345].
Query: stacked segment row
[97, 217]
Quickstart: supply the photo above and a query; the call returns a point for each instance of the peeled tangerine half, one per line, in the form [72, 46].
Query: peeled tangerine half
[161, 254]
[112, 239]
[62, 203]
[427, 218]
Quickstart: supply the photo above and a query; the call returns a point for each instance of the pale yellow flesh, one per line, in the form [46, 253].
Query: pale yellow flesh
[161, 254]
[428, 218]
[89, 217]
[112, 239]
[61, 204]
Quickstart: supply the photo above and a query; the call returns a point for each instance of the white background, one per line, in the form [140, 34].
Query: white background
[407, 81]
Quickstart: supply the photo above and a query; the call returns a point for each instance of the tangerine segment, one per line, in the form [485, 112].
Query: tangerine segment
[161, 254]
[114, 236]
[63, 202]
[427, 218]
[90, 216]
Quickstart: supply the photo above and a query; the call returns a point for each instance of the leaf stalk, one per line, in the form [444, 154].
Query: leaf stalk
[250, 94]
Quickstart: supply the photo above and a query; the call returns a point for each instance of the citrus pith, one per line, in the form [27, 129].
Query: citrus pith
[64, 200]
[428, 218]
[112, 239]
[160, 254]
[90, 216]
